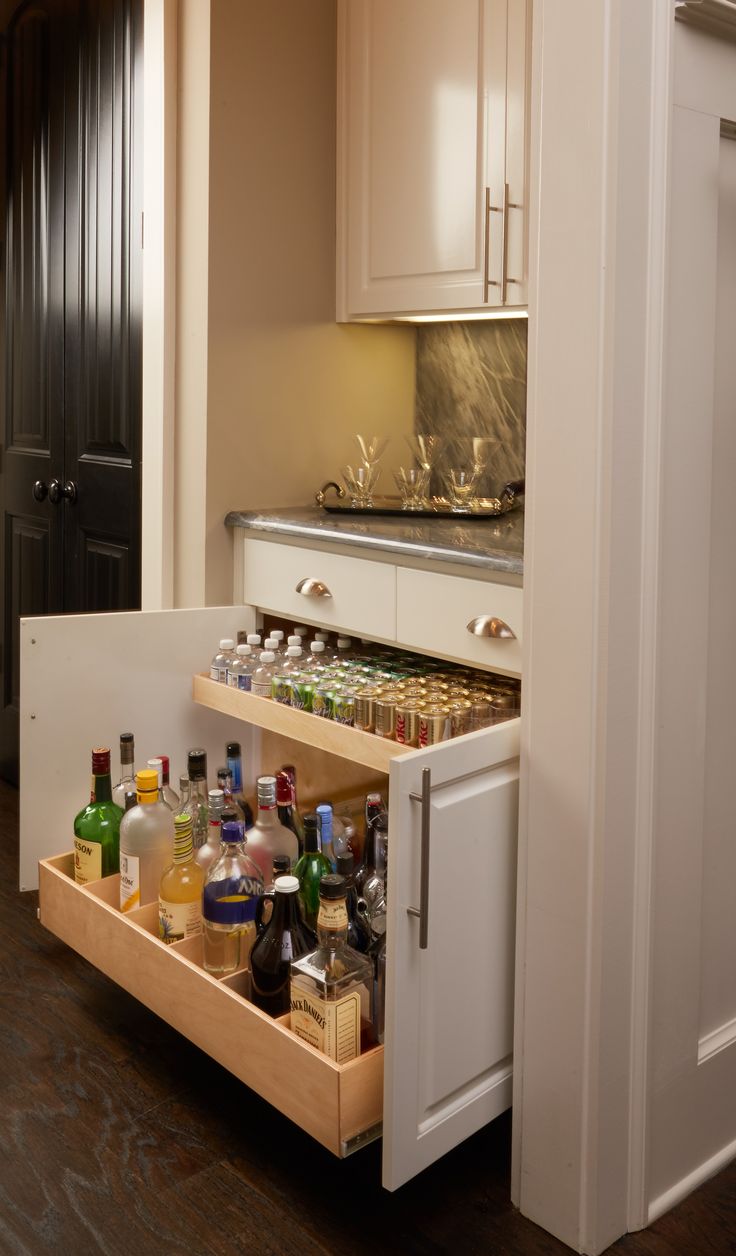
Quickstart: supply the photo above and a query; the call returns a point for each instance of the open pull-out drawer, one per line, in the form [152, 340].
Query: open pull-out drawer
[339, 1105]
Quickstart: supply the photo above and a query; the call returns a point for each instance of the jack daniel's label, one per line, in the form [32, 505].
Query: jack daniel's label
[333, 1028]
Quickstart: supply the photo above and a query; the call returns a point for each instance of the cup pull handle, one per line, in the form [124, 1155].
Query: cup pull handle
[491, 626]
[313, 588]
[422, 912]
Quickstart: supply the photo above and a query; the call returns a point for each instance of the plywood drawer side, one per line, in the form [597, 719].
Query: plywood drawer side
[362, 597]
[434, 609]
[334, 1104]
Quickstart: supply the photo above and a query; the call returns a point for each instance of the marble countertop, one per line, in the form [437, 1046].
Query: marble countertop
[495, 544]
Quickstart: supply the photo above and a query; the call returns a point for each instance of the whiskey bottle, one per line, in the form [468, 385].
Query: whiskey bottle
[97, 826]
[332, 986]
[180, 892]
[285, 938]
[310, 870]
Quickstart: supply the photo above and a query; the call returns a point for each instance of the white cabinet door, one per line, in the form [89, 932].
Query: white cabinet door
[449, 1010]
[85, 679]
[426, 149]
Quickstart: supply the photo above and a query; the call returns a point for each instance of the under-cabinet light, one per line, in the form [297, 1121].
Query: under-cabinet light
[454, 317]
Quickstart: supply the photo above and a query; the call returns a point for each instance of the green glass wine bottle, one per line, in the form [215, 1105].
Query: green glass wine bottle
[310, 869]
[97, 826]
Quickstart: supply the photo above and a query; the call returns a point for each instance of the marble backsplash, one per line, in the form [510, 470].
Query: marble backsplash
[471, 381]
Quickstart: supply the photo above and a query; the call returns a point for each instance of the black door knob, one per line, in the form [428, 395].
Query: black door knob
[59, 492]
[40, 491]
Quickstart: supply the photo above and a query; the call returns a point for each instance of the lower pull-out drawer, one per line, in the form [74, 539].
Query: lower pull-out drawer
[339, 1105]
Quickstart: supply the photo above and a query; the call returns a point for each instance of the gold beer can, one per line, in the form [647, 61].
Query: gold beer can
[365, 700]
[433, 724]
[407, 723]
[384, 717]
[459, 717]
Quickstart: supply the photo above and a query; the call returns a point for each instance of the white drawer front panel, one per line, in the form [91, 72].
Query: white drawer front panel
[363, 593]
[433, 611]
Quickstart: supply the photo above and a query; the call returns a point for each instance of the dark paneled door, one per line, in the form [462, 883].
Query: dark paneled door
[71, 340]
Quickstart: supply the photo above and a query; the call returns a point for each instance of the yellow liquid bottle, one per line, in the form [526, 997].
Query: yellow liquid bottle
[180, 894]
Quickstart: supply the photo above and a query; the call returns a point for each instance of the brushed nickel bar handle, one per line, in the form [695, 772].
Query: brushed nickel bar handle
[507, 205]
[487, 281]
[491, 626]
[422, 913]
[312, 588]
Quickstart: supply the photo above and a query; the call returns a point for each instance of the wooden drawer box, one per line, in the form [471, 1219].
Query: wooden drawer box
[339, 1105]
[433, 611]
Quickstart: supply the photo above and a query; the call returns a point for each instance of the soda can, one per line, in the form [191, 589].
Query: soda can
[301, 692]
[384, 717]
[342, 706]
[322, 693]
[459, 717]
[433, 724]
[480, 712]
[363, 714]
[504, 707]
[407, 723]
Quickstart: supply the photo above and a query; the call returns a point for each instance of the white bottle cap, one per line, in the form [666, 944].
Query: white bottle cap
[294, 640]
[294, 652]
[216, 795]
[243, 650]
[286, 885]
[227, 643]
[267, 656]
[157, 765]
[301, 630]
[344, 643]
[270, 643]
[321, 636]
[317, 647]
[254, 638]
[277, 633]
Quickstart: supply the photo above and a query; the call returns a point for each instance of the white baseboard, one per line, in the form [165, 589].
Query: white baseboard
[691, 1182]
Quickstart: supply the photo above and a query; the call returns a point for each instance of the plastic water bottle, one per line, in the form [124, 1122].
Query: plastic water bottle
[240, 671]
[224, 656]
[261, 679]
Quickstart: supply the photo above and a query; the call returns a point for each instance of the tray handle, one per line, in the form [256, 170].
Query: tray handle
[319, 496]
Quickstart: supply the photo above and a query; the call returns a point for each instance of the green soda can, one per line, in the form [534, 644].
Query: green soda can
[343, 706]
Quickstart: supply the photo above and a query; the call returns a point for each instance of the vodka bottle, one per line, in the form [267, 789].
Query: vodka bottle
[180, 891]
[263, 675]
[97, 826]
[269, 836]
[170, 796]
[127, 769]
[332, 986]
[146, 844]
[157, 765]
[219, 664]
[197, 805]
[232, 888]
[215, 808]
[211, 850]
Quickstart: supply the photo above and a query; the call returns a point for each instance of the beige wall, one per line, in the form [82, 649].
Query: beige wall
[286, 386]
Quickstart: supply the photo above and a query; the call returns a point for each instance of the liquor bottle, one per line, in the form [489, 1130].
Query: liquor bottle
[324, 811]
[146, 844]
[269, 836]
[290, 771]
[180, 891]
[197, 805]
[157, 765]
[285, 805]
[373, 889]
[284, 938]
[310, 869]
[281, 868]
[211, 850]
[171, 798]
[97, 826]
[332, 986]
[224, 656]
[373, 807]
[260, 683]
[131, 799]
[235, 768]
[231, 891]
[225, 783]
[183, 791]
[215, 808]
[127, 769]
[359, 933]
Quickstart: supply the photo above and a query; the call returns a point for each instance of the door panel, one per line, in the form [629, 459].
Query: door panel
[449, 1007]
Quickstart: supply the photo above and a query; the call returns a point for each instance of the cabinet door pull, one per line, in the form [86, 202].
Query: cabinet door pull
[491, 209]
[491, 626]
[422, 912]
[506, 278]
[313, 588]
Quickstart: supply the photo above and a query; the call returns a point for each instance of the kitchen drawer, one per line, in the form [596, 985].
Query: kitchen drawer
[360, 598]
[339, 1105]
[434, 610]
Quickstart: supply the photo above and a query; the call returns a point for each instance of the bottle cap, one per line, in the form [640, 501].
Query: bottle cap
[216, 795]
[321, 636]
[197, 765]
[243, 651]
[253, 638]
[165, 765]
[231, 832]
[228, 815]
[286, 885]
[146, 781]
[267, 656]
[293, 652]
[271, 643]
[101, 761]
[317, 647]
[266, 791]
[281, 865]
[278, 633]
[127, 747]
[344, 643]
[345, 863]
[294, 639]
[332, 886]
[227, 643]
[126, 739]
[301, 630]
[183, 823]
[156, 765]
[311, 831]
[232, 749]
[284, 794]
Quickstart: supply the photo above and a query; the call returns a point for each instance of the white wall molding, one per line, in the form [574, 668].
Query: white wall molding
[718, 1040]
[717, 17]
[691, 1182]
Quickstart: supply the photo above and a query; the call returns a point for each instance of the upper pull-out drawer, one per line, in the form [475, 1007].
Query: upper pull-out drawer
[332, 589]
[439, 613]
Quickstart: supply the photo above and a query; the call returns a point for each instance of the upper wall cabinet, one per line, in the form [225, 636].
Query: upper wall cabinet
[432, 155]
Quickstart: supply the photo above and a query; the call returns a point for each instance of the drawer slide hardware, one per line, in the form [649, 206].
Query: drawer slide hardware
[422, 912]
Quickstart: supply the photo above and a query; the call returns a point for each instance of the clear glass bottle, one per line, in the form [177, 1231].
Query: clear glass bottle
[284, 938]
[310, 869]
[332, 986]
[359, 933]
[224, 656]
[373, 807]
[232, 888]
[97, 826]
[215, 808]
[180, 891]
[373, 888]
[183, 791]
[211, 850]
[269, 836]
[170, 796]
[197, 804]
[260, 684]
[157, 765]
[225, 783]
[146, 844]
[127, 769]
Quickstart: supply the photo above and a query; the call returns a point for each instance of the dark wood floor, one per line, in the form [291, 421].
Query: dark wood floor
[118, 1136]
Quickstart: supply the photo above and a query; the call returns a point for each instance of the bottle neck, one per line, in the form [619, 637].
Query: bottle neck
[198, 789]
[332, 923]
[102, 788]
[285, 911]
[268, 816]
